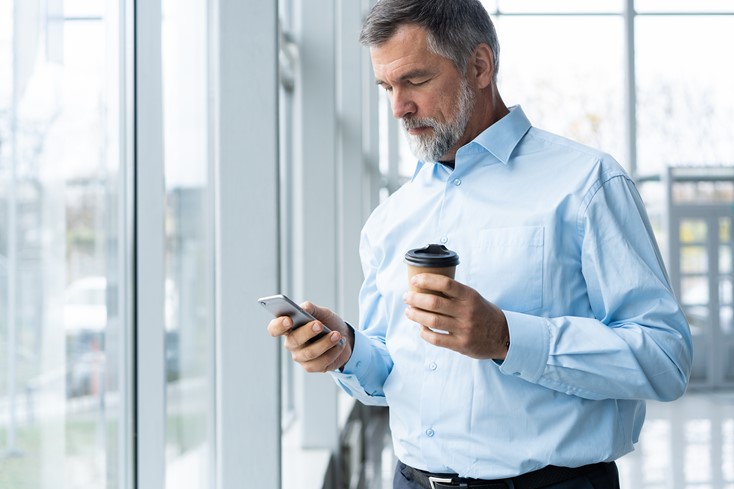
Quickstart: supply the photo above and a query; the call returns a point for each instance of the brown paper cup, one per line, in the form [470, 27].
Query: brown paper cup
[432, 258]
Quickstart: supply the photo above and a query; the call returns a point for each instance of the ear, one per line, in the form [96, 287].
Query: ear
[481, 65]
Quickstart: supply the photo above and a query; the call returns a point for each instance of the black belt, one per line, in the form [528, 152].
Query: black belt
[531, 480]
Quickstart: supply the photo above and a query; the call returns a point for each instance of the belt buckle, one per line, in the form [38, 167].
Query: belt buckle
[432, 481]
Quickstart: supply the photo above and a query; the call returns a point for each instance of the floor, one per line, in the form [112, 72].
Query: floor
[686, 444]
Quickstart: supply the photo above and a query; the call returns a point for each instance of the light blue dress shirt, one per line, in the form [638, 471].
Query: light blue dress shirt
[556, 235]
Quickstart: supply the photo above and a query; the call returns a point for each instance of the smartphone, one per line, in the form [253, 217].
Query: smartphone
[281, 305]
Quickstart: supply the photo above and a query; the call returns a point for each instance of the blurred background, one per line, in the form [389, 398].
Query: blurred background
[164, 163]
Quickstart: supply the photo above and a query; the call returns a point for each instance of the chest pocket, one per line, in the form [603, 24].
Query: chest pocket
[507, 267]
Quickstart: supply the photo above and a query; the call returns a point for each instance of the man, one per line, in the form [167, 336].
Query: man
[561, 320]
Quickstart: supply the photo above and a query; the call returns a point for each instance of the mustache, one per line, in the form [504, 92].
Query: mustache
[413, 122]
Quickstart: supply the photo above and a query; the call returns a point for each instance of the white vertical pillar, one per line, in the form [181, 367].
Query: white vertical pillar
[245, 128]
[350, 158]
[371, 114]
[122, 335]
[314, 202]
[150, 244]
[630, 90]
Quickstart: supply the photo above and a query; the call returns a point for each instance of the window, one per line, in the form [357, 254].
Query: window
[188, 288]
[684, 98]
[62, 287]
[572, 82]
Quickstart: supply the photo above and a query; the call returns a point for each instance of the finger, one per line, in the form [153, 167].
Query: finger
[320, 313]
[303, 334]
[430, 319]
[428, 302]
[321, 354]
[438, 283]
[442, 340]
[280, 326]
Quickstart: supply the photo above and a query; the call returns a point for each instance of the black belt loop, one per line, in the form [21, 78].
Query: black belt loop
[532, 480]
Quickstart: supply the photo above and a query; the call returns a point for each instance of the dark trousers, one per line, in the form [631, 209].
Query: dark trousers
[604, 478]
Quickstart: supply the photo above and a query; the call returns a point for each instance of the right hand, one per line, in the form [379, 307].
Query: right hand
[322, 355]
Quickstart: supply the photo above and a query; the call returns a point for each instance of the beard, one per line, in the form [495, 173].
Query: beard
[445, 135]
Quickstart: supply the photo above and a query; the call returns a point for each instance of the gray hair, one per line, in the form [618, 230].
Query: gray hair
[455, 27]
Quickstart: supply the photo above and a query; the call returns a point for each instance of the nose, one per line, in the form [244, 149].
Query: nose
[402, 104]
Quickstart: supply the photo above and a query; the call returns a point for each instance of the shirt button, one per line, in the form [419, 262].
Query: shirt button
[444, 239]
[433, 366]
[457, 182]
[359, 364]
[430, 432]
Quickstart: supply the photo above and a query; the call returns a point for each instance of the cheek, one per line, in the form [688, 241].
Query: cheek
[444, 103]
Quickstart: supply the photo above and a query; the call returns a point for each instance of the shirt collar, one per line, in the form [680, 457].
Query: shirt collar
[500, 139]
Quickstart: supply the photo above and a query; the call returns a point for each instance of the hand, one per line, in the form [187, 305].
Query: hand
[476, 327]
[322, 355]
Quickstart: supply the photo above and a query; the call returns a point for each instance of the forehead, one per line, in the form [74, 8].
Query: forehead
[407, 50]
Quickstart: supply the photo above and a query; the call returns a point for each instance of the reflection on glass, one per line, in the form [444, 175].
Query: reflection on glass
[189, 321]
[59, 252]
[684, 90]
[546, 84]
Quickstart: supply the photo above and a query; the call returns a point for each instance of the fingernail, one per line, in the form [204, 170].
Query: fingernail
[335, 336]
[316, 327]
[287, 322]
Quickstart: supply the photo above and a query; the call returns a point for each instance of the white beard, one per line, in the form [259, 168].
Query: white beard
[445, 134]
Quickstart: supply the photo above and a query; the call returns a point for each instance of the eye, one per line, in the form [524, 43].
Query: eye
[418, 83]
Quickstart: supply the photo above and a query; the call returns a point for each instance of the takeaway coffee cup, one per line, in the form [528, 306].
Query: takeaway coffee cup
[432, 258]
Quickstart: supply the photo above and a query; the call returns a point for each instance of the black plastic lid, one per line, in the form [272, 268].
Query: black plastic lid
[432, 255]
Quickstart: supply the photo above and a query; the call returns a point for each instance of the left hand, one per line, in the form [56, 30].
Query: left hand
[476, 327]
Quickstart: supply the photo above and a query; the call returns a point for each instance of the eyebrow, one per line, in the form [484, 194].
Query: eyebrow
[409, 75]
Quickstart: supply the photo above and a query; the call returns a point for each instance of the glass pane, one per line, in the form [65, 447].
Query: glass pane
[693, 259]
[83, 8]
[60, 257]
[725, 297]
[662, 6]
[725, 259]
[725, 230]
[547, 85]
[695, 290]
[682, 79]
[702, 192]
[557, 6]
[725, 318]
[692, 231]
[188, 287]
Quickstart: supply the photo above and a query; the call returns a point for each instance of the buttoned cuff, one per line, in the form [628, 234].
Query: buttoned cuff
[360, 378]
[361, 355]
[527, 356]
